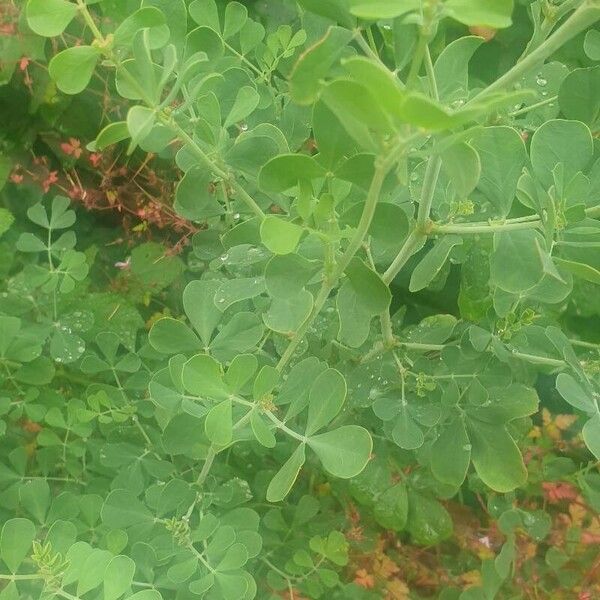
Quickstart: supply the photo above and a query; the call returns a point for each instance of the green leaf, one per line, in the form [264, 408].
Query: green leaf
[591, 44]
[92, 571]
[140, 19]
[355, 319]
[199, 307]
[353, 103]
[280, 236]
[140, 121]
[428, 521]
[568, 143]
[265, 382]
[391, 508]
[451, 453]
[195, 198]
[431, 264]
[235, 290]
[122, 509]
[246, 101]
[316, 62]
[496, 457]
[506, 404]
[286, 315]
[287, 170]
[118, 577]
[218, 424]
[502, 154]
[579, 96]
[262, 432]
[243, 332]
[579, 269]
[333, 141]
[516, 264]
[406, 433]
[202, 376]
[72, 68]
[452, 68]
[284, 479]
[240, 371]
[49, 17]
[111, 134]
[383, 9]
[35, 498]
[372, 293]
[171, 336]
[15, 541]
[591, 435]
[574, 394]
[345, 451]
[327, 395]
[462, 166]
[236, 15]
[205, 13]
[286, 275]
[490, 13]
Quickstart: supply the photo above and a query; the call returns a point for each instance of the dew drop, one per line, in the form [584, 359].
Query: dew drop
[541, 81]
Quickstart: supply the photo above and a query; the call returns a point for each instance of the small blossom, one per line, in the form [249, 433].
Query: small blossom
[72, 147]
[23, 63]
[52, 178]
[123, 265]
[95, 158]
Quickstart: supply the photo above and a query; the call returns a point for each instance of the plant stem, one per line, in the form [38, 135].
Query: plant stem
[539, 360]
[465, 228]
[432, 173]
[531, 107]
[210, 164]
[417, 61]
[281, 425]
[587, 14]
[433, 89]
[356, 242]
[208, 461]
[89, 20]
[413, 243]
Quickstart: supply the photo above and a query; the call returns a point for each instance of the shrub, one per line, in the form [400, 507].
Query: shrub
[376, 323]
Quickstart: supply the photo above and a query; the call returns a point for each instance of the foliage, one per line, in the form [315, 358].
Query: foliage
[343, 341]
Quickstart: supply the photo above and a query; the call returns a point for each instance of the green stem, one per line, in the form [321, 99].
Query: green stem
[531, 107]
[433, 89]
[356, 242]
[587, 14]
[417, 61]
[413, 243]
[483, 228]
[360, 40]
[209, 164]
[85, 13]
[432, 173]
[208, 462]
[281, 425]
[539, 360]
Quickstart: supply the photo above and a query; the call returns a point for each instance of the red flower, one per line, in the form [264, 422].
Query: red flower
[52, 178]
[555, 491]
[23, 63]
[16, 178]
[72, 147]
[95, 158]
